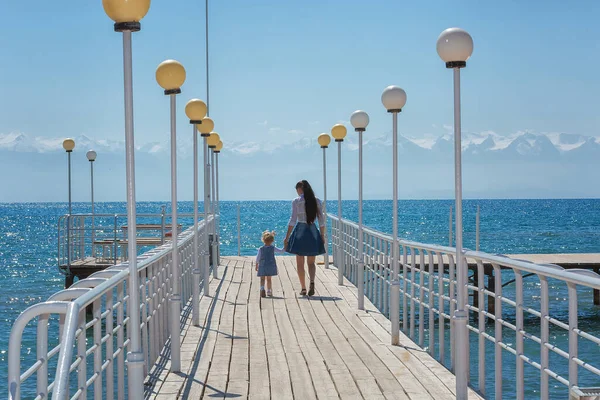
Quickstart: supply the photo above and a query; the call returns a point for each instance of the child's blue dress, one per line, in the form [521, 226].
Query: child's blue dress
[267, 266]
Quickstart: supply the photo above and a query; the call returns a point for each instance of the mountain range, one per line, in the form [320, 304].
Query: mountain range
[485, 146]
[525, 164]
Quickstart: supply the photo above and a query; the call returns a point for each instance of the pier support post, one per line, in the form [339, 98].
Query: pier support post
[491, 283]
[596, 291]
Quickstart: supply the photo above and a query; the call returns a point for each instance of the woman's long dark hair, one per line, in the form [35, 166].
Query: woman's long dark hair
[310, 201]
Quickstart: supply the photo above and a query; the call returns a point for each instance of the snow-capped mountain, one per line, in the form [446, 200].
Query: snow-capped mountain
[485, 146]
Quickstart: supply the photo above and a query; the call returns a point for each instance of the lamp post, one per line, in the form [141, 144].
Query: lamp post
[213, 141]
[195, 110]
[91, 156]
[170, 75]
[339, 133]
[205, 128]
[393, 99]
[324, 140]
[359, 120]
[217, 151]
[69, 145]
[455, 46]
[127, 15]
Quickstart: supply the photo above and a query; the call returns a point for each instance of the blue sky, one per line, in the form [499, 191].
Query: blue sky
[282, 71]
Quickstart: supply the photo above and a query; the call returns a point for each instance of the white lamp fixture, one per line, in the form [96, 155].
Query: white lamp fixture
[359, 120]
[393, 99]
[455, 46]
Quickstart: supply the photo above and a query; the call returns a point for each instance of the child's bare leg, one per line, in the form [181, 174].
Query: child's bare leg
[262, 281]
[300, 263]
[269, 284]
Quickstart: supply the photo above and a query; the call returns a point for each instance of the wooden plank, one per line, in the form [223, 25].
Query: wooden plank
[259, 387]
[191, 335]
[350, 359]
[196, 377]
[404, 374]
[427, 369]
[239, 375]
[317, 365]
[218, 372]
[279, 369]
[294, 347]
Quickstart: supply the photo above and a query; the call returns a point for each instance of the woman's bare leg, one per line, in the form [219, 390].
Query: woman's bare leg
[312, 268]
[300, 264]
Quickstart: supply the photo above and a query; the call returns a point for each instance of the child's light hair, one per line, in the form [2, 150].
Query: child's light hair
[268, 237]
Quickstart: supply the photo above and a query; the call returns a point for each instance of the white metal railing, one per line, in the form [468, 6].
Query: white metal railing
[512, 326]
[100, 339]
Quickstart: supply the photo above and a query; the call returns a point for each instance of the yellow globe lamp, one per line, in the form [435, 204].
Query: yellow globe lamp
[324, 140]
[219, 147]
[170, 75]
[195, 109]
[127, 14]
[206, 127]
[213, 140]
[339, 132]
[68, 145]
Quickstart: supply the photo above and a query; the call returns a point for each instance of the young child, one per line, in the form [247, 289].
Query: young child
[266, 266]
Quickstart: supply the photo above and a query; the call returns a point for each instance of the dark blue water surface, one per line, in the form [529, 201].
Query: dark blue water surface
[29, 274]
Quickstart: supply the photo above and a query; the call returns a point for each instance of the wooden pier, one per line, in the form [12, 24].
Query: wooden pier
[290, 346]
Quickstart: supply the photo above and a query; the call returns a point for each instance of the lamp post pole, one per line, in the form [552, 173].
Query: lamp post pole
[205, 128]
[455, 46]
[170, 75]
[339, 133]
[127, 16]
[215, 261]
[69, 145]
[393, 99]
[91, 156]
[212, 142]
[217, 151]
[324, 140]
[359, 120]
[195, 110]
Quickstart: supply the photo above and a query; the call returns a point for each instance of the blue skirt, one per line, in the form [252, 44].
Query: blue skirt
[305, 240]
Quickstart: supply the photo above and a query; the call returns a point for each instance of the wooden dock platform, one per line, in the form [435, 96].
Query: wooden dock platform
[289, 346]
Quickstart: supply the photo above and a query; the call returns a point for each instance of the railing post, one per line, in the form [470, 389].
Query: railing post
[239, 231]
[477, 222]
[115, 244]
[162, 224]
[450, 228]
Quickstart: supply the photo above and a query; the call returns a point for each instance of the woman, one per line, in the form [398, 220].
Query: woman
[302, 238]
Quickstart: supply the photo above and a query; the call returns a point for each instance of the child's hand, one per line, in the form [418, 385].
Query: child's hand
[256, 268]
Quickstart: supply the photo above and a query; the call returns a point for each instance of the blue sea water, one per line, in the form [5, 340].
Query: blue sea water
[28, 245]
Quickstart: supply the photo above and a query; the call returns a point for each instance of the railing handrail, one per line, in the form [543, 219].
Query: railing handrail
[142, 263]
[574, 276]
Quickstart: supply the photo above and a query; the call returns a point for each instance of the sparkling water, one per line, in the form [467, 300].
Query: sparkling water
[29, 273]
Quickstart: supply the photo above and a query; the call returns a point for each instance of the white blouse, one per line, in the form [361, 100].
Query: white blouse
[299, 212]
